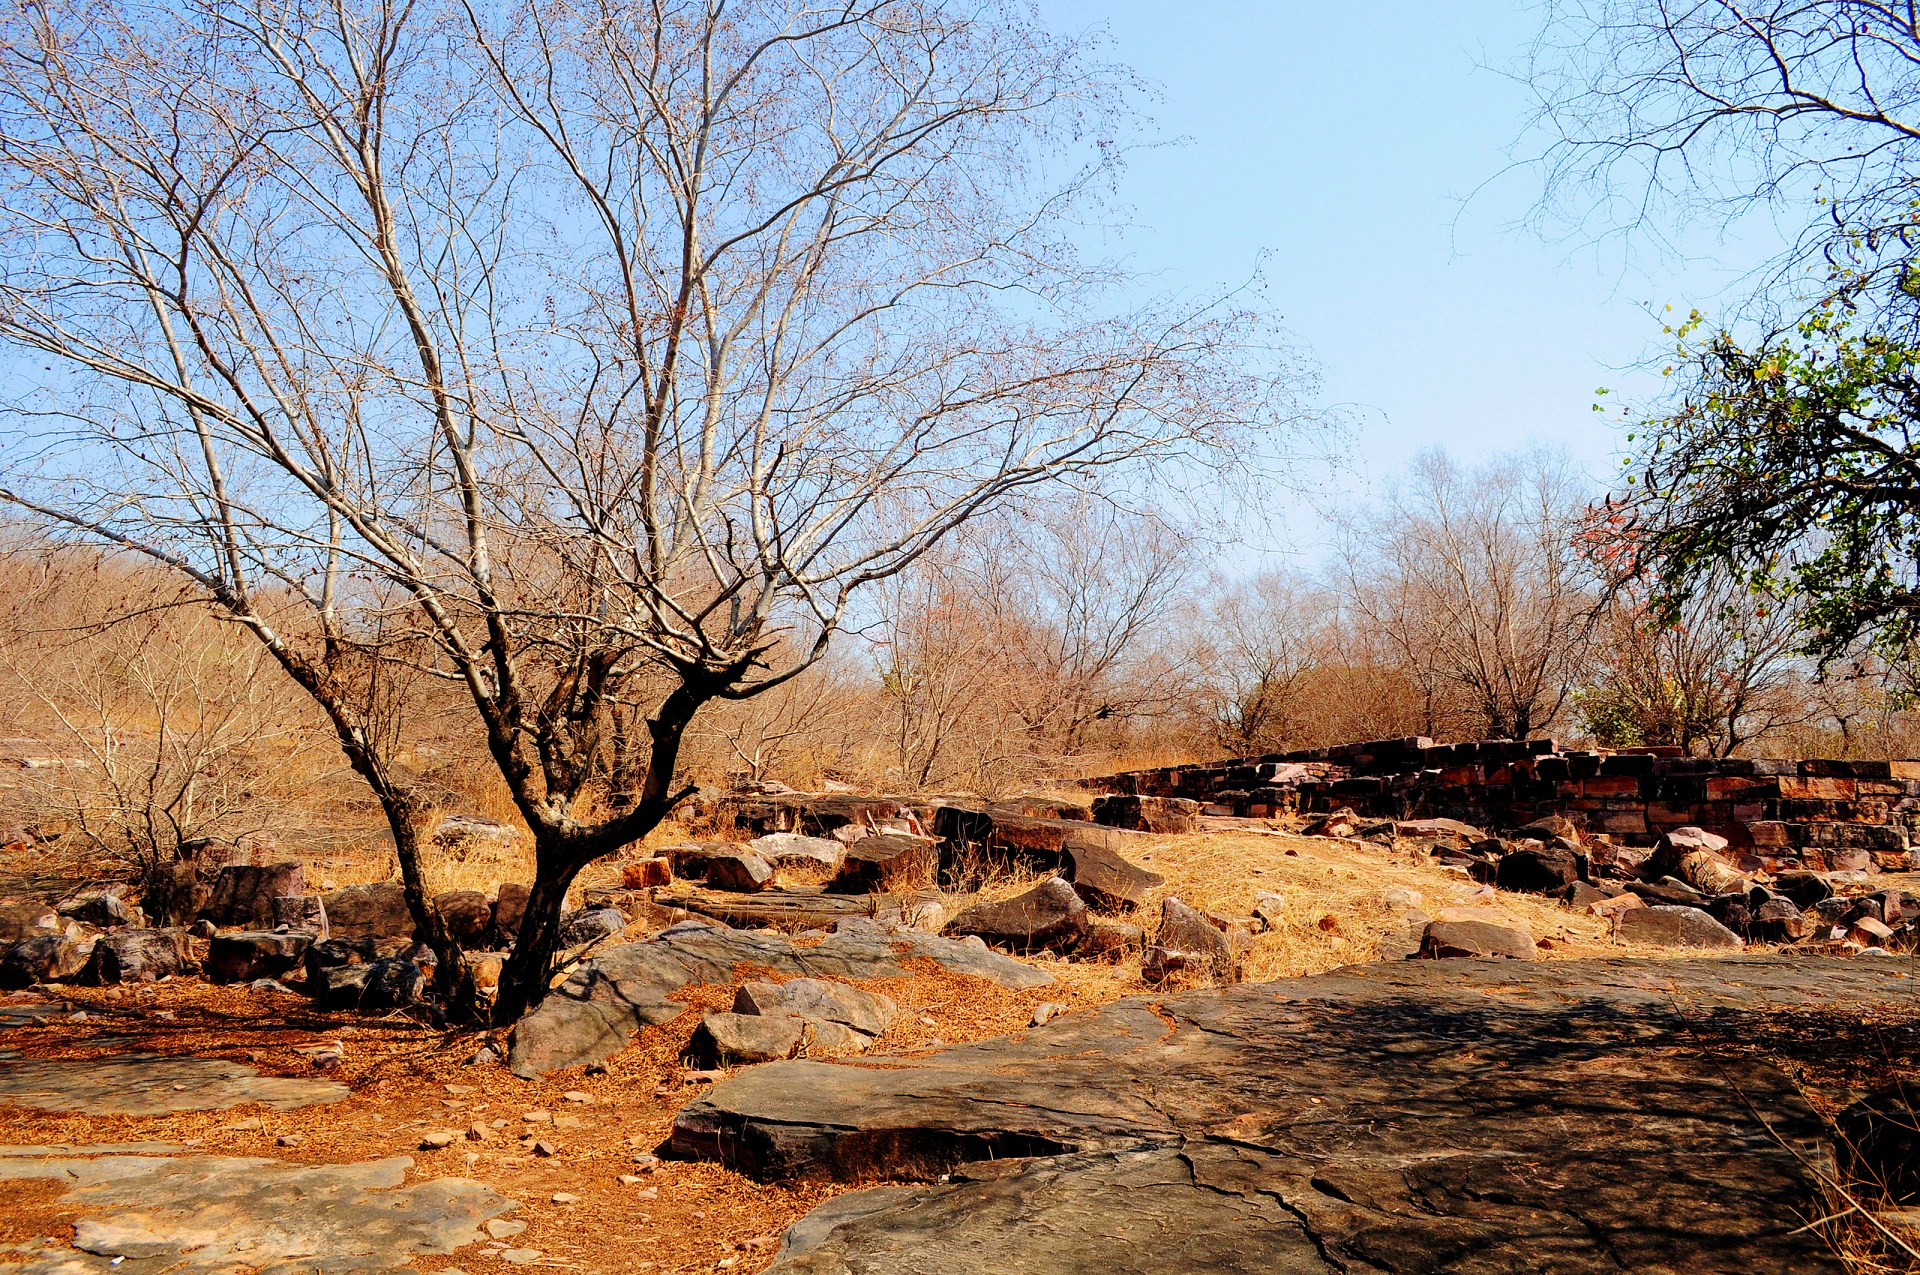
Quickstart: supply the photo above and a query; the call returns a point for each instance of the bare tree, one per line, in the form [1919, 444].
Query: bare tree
[1661, 109]
[1260, 647]
[1720, 672]
[596, 346]
[1475, 579]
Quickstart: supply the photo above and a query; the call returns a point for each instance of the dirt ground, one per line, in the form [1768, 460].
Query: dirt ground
[409, 1080]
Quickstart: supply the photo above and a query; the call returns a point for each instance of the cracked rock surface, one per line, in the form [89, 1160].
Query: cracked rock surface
[593, 1014]
[152, 1085]
[1408, 1117]
[196, 1215]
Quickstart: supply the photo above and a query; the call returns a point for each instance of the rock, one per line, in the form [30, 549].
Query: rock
[1451, 832]
[1105, 879]
[602, 1003]
[885, 861]
[1580, 895]
[1045, 1012]
[509, 905]
[246, 955]
[819, 999]
[798, 858]
[1870, 932]
[339, 987]
[243, 893]
[330, 953]
[589, 924]
[741, 871]
[1452, 939]
[438, 1140]
[690, 859]
[1667, 893]
[1106, 940]
[1187, 943]
[377, 911]
[731, 1040]
[26, 919]
[135, 956]
[202, 929]
[1339, 823]
[1162, 815]
[1675, 846]
[393, 982]
[102, 908]
[1535, 869]
[1804, 888]
[1779, 921]
[479, 1132]
[1551, 826]
[647, 873]
[461, 836]
[1710, 874]
[1049, 916]
[306, 912]
[1731, 911]
[1158, 1121]
[45, 958]
[466, 913]
[1673, 927]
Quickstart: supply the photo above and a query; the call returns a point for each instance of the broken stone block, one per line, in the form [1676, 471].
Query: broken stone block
[243, 893]
[731, 1040]
[135, 956]
[815, 998]
[44, 958]
[25, 920]
[647, 873]
[1444, 940]
[800, 858]
[102, 908]
[1049, 916]
[509, 905]
[339, 986]
[1187, 942]
[378, 911]
[301, 912]
[1673, 927]
[1107, 940]
[1107, 880]
[1870, 933]
[741, 872]
[1536, 869]
[245, 955]
[1164, 815]
[394, 982]
[884, 861]
[467, 915]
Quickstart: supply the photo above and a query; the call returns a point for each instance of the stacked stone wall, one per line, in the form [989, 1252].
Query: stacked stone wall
[1821, 814]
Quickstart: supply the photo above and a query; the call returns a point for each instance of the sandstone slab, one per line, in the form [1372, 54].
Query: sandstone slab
[593, 1014]
[152, 1085]
[1414, 1117]
[1673, 927]
[1052, 915]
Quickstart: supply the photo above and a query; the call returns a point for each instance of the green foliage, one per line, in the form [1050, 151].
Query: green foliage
[1795, 465]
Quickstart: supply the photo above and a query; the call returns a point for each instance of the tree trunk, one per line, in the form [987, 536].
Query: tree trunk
[523, 981]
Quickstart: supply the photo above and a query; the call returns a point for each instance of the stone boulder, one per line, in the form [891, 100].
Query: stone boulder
[1673, 927]
[26, 919]
[244, 955]
[1111, 941]
[814, 998]
[1105, 879]
[243, 893]
[689, 860]
[467, 915]
[741, 872]
[45, 958]
[1536, 869]
[103, 909]
[1804, 888]
[1551, 826]
[1779, 921]
[394, 982]
[331, 954]
[464, 835]
[339, 987]
[590, 924]
[509, 905]
[1710, 874]
[1162, 815]
[377, 911]
[597, 1009]
[135, 956]
[886, 860]
[1676, 845]
[302, 912]
[738, 1040]
[1189, 944]
[1448, 940]
[645, 874]
[800, 859]
[1050, 917]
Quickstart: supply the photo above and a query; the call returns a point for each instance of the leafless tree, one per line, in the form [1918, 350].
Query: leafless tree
[1260, 645]
[1722, 672]
[594, 346]
[1474, 577]
[1657, 109]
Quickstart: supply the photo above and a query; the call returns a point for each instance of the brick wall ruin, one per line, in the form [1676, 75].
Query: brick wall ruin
[1820, 814]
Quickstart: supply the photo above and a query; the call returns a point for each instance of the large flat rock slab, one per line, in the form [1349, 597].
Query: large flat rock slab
[152, 1085]
[593, 1014]
[1420, 1116]
[192, 1214]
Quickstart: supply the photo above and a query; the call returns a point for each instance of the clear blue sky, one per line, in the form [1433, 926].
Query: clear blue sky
[1358, 154]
